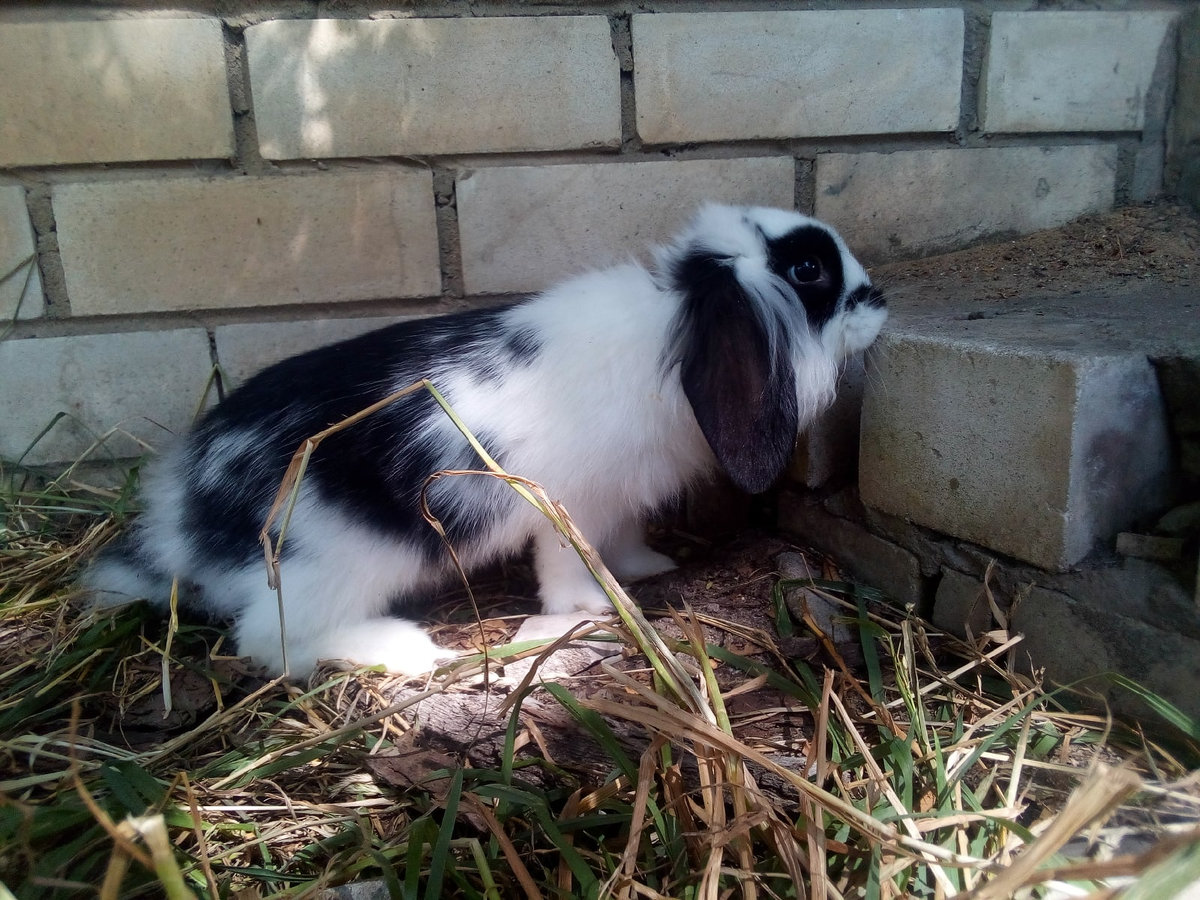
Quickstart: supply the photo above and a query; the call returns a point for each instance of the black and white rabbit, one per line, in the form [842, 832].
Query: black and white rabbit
[615, 390]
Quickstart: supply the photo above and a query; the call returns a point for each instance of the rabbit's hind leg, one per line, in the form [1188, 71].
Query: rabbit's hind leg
[334, 608]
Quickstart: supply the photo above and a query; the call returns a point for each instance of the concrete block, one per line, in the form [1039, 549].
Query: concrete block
[1071, 71]
[1188, 186]
[175, 244]
[1182, 521]
[934, 551]
[827, 451]
[1062, 636]
[1149, 166]
[1184, 138]
[1179, 377]
[524, 228]
[1039, 454]
[113, 90]
[925, 201]
[743, 75]
[245, 349]
[1154, 593]
[1149, 546]
[960, 605]
[1073, 641]
[20, 280]
[870, 559]
[145, 383]
[337, 87]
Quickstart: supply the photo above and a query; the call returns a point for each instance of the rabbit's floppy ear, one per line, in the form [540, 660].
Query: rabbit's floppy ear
[736, 373]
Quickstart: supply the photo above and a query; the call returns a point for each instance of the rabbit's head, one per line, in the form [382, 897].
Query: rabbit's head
[771, 303]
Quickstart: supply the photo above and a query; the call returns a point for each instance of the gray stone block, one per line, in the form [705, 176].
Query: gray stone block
[243, 350]
[104, 91]
[1038, 454]
[1146, 183]
[827, 452]
[1075, 641]
[390, 87]
[865, 557]
[20, 280]
[1149, 546]
[703, 76]
[1071, 71]
[146, 383]
[525, 227]
[933, 551]
[960, 604]
[1156, 594]
[923, 201]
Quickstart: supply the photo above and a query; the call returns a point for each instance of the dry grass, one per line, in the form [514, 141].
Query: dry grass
[137, 759]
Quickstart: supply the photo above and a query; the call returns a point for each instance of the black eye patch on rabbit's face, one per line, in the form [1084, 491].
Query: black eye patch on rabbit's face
[809, 260]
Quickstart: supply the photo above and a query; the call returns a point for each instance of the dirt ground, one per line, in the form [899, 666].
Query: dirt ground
[1157, 242]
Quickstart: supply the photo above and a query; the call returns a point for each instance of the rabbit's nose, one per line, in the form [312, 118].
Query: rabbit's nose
[868, 295]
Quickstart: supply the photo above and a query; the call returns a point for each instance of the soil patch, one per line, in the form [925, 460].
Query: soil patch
[1157, 242]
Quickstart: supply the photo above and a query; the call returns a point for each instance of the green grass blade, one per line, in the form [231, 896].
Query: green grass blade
[439, 858]
[1170, 878]
[422, 834]
[784, 626]
[1172, 714]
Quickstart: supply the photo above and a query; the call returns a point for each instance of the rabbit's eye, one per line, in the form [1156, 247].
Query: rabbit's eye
[806, 271]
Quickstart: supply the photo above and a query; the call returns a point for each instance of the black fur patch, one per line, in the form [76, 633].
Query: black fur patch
[820, 298]
[372, 472]
[866, 295]
[522, 344]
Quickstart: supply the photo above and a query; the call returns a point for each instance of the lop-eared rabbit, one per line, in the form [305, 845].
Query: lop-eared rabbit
[615, 390]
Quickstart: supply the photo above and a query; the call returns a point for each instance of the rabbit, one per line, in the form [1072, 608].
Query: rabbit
[615, 390]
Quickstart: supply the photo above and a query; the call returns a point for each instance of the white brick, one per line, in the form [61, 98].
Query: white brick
[413, 86]
[243, 350]
[145, 383]
[176, 244]
[20, 280]
[736, 76]
[1071, 71]
[524, 228]
[1036, 453]
[893, 204]
[104, 91]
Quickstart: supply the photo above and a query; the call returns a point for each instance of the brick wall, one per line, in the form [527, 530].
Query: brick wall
[197, 186]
